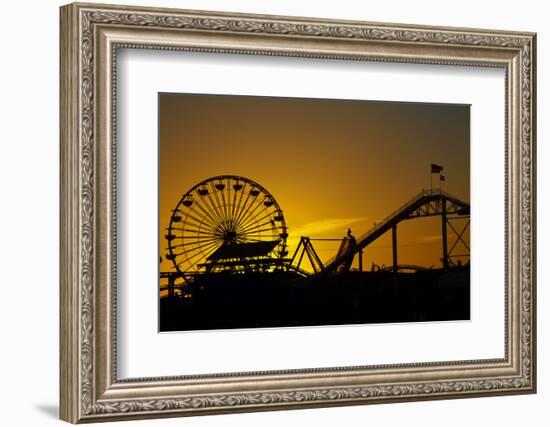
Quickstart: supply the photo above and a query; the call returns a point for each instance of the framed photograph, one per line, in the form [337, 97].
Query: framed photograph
[265, 212]
[232, 257]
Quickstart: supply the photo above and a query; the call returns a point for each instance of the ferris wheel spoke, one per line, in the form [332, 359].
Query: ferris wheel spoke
[241, 208]
[228, 189]
[225, 202]
[199, 217]
[233, 204]
[190, 261]
[203, 246]
[195, 265]
[237, 208]
[202, 226]
[221, 202]
[189, 244]
[246, 208]
[224, 205]
[189, 230]
[211, 207]
[261, 218]
[203, 203]
[200, 255]
[244, 214]
[202, 222]
[257, 224]
[257, 231]
[198, 223]
[194, 252]
[214, 214]
[195, 248]
[256, 219]
[204, 212]
[255, 228]
[216, 208]
[180, 245]
[198, 232]
[219, 205]
[211, 250]
[256, 202]
[197, 239]
[253, 214]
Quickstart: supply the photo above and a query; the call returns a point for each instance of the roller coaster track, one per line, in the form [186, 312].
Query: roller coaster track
[424, 204]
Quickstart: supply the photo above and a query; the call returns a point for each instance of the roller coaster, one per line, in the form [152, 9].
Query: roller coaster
[232, 225]
[427, 203]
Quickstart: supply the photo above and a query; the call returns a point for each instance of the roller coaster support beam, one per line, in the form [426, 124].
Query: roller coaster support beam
[308, 250]
[444, 234]
[394, 246]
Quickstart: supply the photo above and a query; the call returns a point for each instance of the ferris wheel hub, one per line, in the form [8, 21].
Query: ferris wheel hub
[230, 236]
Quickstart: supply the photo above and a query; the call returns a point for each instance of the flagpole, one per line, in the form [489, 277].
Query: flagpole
[434, 168]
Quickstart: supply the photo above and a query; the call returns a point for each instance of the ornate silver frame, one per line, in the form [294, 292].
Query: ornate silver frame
[90, 36]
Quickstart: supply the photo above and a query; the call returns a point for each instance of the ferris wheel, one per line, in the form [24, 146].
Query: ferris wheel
[226, 223]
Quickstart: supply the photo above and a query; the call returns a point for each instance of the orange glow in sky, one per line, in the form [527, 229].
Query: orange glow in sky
[330, 164]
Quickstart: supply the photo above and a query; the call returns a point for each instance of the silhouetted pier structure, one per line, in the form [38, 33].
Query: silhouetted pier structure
[245, 279]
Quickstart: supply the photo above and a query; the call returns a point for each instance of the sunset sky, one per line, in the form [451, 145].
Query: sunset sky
[330, 164]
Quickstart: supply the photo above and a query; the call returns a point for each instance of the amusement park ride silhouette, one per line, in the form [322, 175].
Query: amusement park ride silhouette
[231, 225]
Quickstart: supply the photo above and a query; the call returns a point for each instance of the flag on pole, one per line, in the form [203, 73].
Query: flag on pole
[441, 178]
[436, 168]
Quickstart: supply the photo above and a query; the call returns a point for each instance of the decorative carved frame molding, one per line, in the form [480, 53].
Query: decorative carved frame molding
[90, 36]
